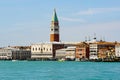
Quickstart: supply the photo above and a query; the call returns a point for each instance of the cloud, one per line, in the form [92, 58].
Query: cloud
[109, 30]
[72, 19]
[92, 11]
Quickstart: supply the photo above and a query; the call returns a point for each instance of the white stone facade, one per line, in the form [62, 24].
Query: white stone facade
[70, 52]
[41, 50]
[67, 53]
[10, 53]
[60, 53]
[93, 51]
[45, 50]
[5, 54]
[117, 50]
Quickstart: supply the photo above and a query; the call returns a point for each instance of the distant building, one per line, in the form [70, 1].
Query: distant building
[70, 53]
[5, 54]
[45, 50]
[21, 54]
[54, 29]
[10, 53]
[60, 53]
[102, 50]
[117, 50]
[66, 53]
[82, 51]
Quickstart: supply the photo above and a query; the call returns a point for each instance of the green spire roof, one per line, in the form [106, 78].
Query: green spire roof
[54, 17]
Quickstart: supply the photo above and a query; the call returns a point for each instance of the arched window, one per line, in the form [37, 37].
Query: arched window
[33, 49]
[36, 49]
[50, 49]
[51, 29]
[39, 49]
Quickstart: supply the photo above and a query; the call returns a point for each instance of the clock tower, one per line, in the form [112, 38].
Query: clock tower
[54, 28]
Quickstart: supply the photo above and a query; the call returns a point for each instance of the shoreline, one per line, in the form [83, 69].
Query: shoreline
[61, 60]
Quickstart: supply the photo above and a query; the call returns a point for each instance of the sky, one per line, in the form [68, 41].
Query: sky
[25, 22]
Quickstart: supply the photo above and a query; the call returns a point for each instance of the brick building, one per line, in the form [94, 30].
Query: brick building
[82, 51]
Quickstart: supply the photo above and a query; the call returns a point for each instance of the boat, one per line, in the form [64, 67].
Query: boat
[14, 60]
[61, 60]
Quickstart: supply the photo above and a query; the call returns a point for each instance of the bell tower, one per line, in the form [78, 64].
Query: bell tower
[54, 28]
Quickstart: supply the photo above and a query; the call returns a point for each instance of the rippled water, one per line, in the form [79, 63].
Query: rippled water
[53, 70]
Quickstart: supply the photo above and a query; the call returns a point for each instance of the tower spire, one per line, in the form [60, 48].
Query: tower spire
[54, 17]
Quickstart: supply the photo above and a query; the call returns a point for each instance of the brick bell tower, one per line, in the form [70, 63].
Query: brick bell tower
[54, 28]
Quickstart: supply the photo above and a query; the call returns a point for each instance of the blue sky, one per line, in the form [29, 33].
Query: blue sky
[24, 22]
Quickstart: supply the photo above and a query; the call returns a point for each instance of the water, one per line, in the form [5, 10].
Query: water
[53, 70]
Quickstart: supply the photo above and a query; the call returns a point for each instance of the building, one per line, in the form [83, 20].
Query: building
[10, 53]
[54, 29]
[66, 53]
[102, 49]
[5, 54]
[93, 51]
[60, 54]
[21, 54]
[117, 50]
[45, 50]
[70, 53]
[82, 51]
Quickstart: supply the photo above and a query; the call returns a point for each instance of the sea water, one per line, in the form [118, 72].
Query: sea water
[54, 70]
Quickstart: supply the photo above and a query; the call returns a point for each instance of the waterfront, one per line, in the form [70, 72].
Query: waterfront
[53, 70]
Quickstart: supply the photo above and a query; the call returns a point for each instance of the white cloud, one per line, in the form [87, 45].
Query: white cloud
[92, 11]
[72, 19]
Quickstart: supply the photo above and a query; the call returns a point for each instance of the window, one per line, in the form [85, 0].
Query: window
[80, 49]
[33, 49]
[41, 50]
[56, 29]
[50, 49]
[51, 29]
